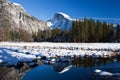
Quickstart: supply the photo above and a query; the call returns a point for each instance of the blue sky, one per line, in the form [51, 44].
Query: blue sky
[44, 9]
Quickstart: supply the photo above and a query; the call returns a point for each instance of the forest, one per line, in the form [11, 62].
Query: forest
[86, 30]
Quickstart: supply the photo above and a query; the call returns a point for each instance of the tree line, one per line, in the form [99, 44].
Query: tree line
[17, 35]
[87, 30]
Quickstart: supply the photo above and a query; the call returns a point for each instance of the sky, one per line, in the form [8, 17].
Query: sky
[45, 9]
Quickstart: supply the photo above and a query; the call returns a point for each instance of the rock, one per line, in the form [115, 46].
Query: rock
[60, 20]
[11, 64]
[53, 60]
[43, 58]
[13, 15]
[33, 64]
[27, 53]
[103, 73]
[20, 65]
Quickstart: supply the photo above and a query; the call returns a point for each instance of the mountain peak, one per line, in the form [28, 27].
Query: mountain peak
[17, 4]
[64, 15]
[60, 20]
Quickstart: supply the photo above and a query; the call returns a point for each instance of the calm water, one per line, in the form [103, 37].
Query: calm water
[75, 70]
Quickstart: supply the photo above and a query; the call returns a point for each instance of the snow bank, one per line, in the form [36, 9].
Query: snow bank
[105, 73]
[1, 61]
[15, 52]
[79, 45]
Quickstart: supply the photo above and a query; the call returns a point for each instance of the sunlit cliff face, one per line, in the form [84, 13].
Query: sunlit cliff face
[14, 15]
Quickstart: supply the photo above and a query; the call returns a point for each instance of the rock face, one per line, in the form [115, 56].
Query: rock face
[13, 15]
[60, 20]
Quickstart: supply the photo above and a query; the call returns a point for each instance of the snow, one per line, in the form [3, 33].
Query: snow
[64, 15]
[16, 4]
[14, 52]
[60, 20]
[1, 61]
[97, 71]
[105, 73]
[49, 23]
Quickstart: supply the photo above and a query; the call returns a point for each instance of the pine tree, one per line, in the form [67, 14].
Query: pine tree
[110, 33]
[73, 32]
[91, 30]
[98, 31]
[105, 31]
[86, 29]
[117, 35]
[39, 35]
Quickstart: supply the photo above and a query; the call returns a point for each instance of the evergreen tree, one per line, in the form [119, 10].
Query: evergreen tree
[117, 35]
[86, 29]
[98, 31]
[91, 30]
[110, 33]
[104, 31]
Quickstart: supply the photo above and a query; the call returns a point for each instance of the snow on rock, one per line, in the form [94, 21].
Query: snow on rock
[1, 61]
[12, 56]
[64, 15]
[97, 71]
[16, 52]
[60, 20]
[49, 23]
[105, 73]
[17, 4]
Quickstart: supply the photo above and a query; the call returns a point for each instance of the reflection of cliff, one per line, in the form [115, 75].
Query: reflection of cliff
[66, 69]
[13, 73]
[61, 67]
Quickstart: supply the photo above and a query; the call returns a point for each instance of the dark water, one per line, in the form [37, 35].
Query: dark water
[79, 69]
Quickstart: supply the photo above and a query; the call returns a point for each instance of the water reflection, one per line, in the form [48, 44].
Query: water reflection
[60, 66]
[13, 73]
[78, 69]
[91, 62]
[85, 63]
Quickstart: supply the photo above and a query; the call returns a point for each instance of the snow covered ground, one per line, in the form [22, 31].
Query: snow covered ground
[105, 73]
[12, 52]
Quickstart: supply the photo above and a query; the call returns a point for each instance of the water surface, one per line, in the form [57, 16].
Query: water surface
[75, 70]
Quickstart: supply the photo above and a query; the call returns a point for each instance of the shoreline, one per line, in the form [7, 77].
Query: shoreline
[12, 52]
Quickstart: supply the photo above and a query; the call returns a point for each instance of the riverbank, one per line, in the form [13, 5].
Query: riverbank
[12, 53]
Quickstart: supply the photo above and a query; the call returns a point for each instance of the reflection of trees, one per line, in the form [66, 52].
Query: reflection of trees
[90, 62]
[13, 73]
[118, 57]
[86, 62]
